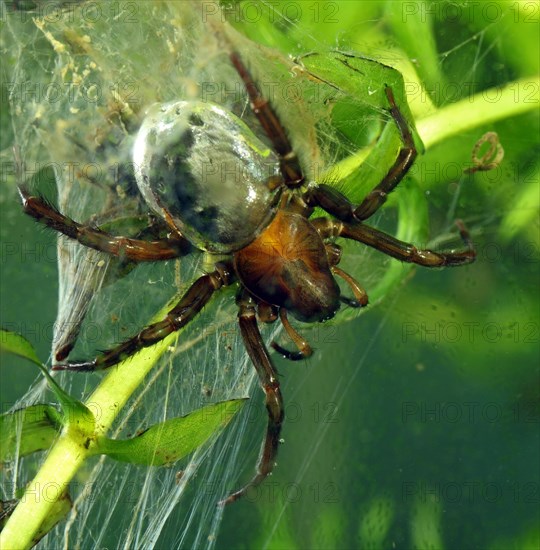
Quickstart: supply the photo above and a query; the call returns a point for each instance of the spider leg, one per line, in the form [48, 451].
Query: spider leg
[268, 378]
[400, 250]
[183, 312]
[338, 205]
[123, 247]
[304, 349]
[360, 295]
[290, 165]
[333, 253]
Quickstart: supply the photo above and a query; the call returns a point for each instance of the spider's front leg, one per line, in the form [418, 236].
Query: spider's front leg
[290, 165]
[185, 310]
[268, 378]
[391, 246]
[338, 205]
[123, 247]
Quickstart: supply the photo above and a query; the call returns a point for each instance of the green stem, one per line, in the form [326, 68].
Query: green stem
[488, 106]
[69, 452]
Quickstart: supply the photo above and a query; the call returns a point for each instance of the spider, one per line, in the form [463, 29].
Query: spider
[217, 188]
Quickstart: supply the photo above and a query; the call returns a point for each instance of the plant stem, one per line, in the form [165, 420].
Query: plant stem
[488, 106]
[69, 452]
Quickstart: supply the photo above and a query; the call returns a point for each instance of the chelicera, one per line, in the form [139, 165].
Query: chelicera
[257, 220]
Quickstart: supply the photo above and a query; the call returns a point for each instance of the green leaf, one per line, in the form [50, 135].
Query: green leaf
[361, 78]
[59, 510]
[167, 442]
[359, 85]
[75, 414]
[11, 342]
[28, 430]
[329, 526]
[6, 509]
[426, 525]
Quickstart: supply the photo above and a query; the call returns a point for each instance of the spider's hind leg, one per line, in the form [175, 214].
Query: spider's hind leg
[125, 248]
[268, 378]
[191, 303]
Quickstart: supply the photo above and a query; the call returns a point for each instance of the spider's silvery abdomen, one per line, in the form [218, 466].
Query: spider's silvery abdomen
[200, 166]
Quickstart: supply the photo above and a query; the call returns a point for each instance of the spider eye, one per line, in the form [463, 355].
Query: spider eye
[200, 166]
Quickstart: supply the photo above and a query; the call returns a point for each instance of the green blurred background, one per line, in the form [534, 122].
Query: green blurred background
[417, 424]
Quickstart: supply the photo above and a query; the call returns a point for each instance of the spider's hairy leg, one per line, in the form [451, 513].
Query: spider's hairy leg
[405, 159]
[185, 310]
[290, 165]
[391, 246]
[268, 378]
[304, 349]
[338, 205]
[122, 247]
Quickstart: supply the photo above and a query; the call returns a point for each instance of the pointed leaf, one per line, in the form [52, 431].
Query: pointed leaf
[75, 414]
[6, 509]
[360, 78]
[60, 509]
[11, 342]
[357, 86]
[28, 430]
[58, 512]
[167, 442]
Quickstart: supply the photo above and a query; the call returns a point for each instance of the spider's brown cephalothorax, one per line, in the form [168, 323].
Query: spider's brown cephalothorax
[217, 187]
[287, 266]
